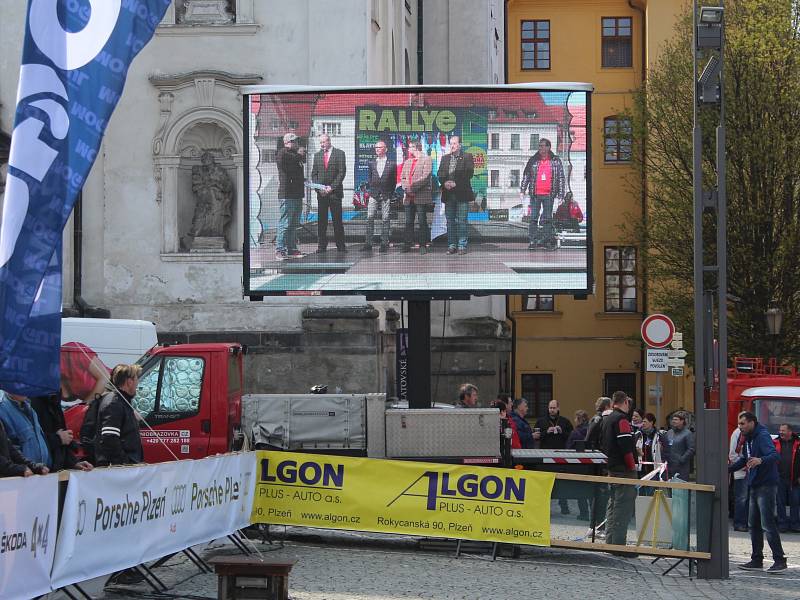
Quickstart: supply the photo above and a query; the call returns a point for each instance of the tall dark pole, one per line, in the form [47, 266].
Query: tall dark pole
[419, 354]
[710, 283]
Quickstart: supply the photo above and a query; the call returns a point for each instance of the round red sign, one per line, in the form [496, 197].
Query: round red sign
[657, 330]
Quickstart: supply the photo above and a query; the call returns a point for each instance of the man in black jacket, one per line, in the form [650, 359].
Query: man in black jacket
[455, 174]
[554, 428]
[617, 443]
[328, 170]
[291, 192]
[592, 440]
[382, 183]
[118, 439]
[58, 437]
[12, 463]
[553, 434]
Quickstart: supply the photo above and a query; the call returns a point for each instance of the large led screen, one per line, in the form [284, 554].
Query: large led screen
[401, 192]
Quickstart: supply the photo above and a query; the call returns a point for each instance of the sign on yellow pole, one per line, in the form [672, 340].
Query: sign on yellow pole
[389, 496]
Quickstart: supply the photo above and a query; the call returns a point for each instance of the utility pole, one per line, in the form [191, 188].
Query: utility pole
[710, 284]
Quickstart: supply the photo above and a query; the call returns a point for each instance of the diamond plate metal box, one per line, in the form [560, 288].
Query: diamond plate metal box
[459, 432]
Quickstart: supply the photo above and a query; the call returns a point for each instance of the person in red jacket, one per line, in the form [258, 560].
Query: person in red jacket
[789, 481]
[501, 404]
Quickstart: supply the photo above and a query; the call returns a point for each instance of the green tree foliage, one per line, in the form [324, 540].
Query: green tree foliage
[762, 105]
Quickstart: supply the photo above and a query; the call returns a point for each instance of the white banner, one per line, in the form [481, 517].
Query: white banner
[28, 521]
[122, 516]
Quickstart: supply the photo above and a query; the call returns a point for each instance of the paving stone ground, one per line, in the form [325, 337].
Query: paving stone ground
[356, 566]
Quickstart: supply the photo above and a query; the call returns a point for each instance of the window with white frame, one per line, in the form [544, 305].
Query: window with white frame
[538, 303]
[620, 279]
[332, 128]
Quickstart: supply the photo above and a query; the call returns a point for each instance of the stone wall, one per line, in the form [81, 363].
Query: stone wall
[337, 347]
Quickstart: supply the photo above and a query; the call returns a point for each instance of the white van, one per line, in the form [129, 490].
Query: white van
[115, 341]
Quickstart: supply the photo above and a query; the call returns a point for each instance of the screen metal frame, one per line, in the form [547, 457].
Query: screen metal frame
[416, 294]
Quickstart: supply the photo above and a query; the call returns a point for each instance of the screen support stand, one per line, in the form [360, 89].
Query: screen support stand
[419, 354]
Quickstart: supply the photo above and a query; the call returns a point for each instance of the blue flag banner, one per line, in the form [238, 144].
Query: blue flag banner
[74, 63]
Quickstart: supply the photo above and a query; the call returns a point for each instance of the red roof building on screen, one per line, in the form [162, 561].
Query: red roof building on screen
[508, 105]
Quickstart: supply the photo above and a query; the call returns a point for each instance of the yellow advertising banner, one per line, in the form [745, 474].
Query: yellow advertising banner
[415, 498]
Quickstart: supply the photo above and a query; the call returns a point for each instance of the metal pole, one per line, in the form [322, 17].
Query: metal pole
[711, 367]
[697, 196]
[419, 354]
[719, 528]
[721, 516]
[659, 397]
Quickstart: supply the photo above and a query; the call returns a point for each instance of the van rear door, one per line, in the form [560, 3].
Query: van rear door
[173, 398]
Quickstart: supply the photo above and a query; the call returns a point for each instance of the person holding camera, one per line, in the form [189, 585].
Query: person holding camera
[59, 439]
[291, 192]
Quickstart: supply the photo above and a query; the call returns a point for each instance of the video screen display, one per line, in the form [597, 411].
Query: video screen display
[417, 191]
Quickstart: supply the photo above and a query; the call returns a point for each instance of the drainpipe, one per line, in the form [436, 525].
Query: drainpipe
[419, 42]
[505, 60]
[509, 315]
[511, 318]
[639, 6]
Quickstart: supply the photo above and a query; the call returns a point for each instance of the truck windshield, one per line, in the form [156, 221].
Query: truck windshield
[772, 412]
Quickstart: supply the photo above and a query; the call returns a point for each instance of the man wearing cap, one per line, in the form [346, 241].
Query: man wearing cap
[329, 170]
[290, 195]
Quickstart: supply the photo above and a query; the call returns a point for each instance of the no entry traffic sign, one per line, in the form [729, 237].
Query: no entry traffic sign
[657, 331]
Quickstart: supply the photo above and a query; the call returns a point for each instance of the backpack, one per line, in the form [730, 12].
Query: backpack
[88, 433]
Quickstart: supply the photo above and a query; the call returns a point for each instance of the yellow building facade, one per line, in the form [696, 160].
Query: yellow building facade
[575, 349]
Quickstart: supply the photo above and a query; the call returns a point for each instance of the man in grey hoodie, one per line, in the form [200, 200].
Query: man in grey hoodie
[680, 441]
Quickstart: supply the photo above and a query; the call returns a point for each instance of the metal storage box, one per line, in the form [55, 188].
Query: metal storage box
[307, 421]
[450, 433]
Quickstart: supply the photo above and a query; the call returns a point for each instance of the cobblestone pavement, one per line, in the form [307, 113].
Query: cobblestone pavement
[341, 565]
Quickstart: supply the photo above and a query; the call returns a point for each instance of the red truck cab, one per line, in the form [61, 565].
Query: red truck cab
[191, 397]
[768, 390]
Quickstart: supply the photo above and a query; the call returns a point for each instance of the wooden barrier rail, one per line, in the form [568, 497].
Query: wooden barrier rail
[701, 491]
[676, 485]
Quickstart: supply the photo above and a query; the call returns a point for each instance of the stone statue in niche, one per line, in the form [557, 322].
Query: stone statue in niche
[213, 195]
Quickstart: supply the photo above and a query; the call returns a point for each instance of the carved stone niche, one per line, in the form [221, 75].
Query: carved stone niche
[212, 138]
[199, 112]
[206, 12]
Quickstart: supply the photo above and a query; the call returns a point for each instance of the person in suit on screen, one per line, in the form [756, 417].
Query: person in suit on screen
[329, 170]
[381, 184]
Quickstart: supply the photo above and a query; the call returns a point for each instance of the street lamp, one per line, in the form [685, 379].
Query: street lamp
[711, 15]
[774, 316]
